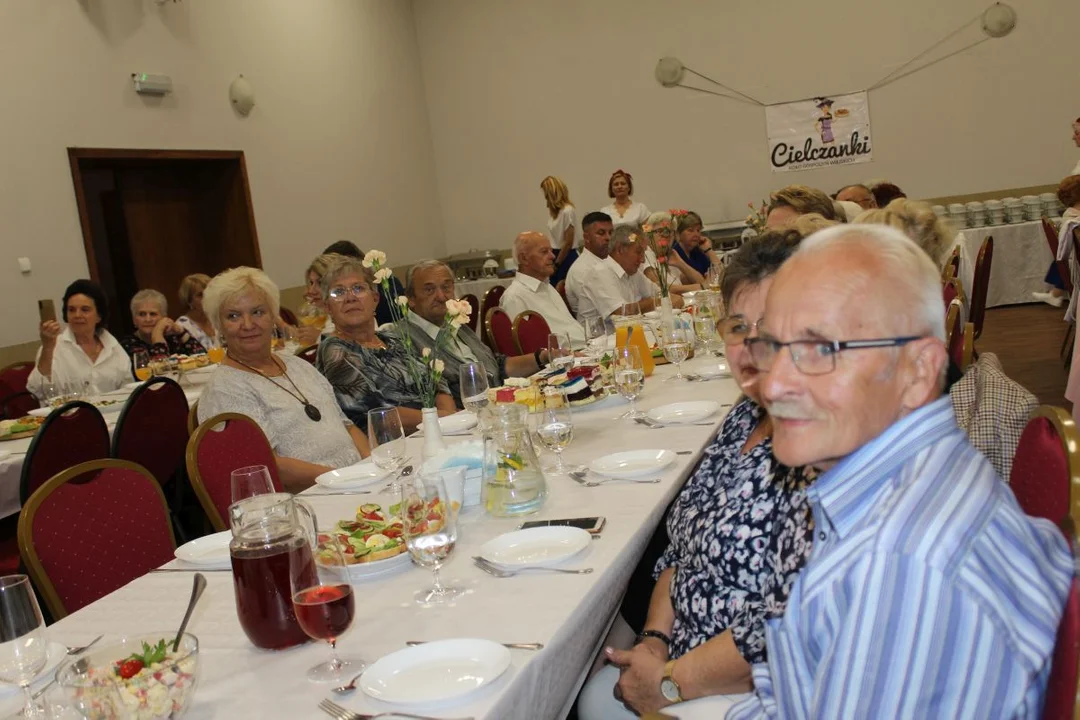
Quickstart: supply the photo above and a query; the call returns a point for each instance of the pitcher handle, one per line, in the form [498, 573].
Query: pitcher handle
[305, 515]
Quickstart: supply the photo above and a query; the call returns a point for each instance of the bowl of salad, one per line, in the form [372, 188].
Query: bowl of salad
[137, 678]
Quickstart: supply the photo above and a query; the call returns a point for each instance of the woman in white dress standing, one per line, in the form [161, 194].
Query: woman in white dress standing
[624, 211]
[563, 226]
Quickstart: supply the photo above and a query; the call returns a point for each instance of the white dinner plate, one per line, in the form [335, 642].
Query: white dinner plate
[605, 402]
[207, 551]
[632, 463]
[11, 696]
[460, 423]
[683, 412]
[538, 547]
[435, 672]
[371, 570]
[113, 407]
[362, 474]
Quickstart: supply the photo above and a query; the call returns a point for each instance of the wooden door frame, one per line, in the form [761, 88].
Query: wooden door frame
[76, 154]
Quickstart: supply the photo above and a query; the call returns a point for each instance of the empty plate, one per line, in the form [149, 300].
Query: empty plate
[457, 424]
[363, 473]
[538, 547]
[632, 463]
[683, 412]
[207, 551]
[435, 672]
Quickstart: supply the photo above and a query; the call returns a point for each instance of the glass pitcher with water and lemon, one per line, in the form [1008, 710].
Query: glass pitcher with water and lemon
[513, 482]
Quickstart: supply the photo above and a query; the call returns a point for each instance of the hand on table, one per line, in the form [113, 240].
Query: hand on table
[49, 331]
[641, 669]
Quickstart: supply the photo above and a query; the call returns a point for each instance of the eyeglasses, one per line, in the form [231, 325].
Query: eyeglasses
[814, 357]
[340, 291]
[429, 290]
[734, 329]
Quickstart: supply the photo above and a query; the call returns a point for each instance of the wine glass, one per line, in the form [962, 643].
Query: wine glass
[474, 386]
[430, 530]
[555, 430]
[560, 355]
[24, 650]
[323, 601]
[141, 363]
[676, 343]
[250, 481]
[386, 437]
[631, 309]
[595, 335]
[629, 376]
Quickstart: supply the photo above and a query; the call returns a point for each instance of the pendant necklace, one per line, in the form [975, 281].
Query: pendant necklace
[311, 411]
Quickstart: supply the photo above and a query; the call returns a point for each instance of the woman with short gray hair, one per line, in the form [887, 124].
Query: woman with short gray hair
[155, 333]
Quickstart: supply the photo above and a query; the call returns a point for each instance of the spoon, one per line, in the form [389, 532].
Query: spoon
[198, 585]
[348, 687]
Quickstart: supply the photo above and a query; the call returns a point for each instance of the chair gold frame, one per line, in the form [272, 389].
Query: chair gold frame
[1069, 434]
[193, 418]
[29, 554]
[492, 342]
[523, 316]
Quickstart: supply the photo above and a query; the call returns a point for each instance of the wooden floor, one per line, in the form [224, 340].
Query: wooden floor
[1027, 339]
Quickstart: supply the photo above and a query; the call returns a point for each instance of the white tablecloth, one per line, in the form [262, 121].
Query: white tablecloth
[11, 465]
[569, 614]
[479, 287]
[1021, 259]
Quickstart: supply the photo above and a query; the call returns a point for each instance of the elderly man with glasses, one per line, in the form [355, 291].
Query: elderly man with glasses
[929, 593]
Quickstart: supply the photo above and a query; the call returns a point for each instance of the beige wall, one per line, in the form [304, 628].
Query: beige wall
[518, 90]
[338, 145]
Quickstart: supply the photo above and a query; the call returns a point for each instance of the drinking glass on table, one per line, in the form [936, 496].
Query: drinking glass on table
[560, 353]
[141, 363]
[474, 386]
[323, 601]
[250, 481]
[595, 335]
[386, 435]
[675, 341]
[555, 430]
[430, 530]
[629, 373]
[24, 649]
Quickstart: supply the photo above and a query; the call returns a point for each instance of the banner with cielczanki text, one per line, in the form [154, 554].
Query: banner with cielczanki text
[819, 132]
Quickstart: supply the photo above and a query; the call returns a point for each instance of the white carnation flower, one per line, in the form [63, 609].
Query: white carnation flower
[426, 352]
[401, 300]
[439, 365]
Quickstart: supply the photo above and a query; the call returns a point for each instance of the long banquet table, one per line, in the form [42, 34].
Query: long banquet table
[1021, 259]
[569, 614]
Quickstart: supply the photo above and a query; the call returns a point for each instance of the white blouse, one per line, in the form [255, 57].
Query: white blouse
[636, 214]
[197, 332]
[558, 224]
[72, 366]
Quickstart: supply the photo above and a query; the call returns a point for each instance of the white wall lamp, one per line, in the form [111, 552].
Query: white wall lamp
[242, 95]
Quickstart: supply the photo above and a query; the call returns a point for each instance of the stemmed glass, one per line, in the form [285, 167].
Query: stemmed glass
[387, 437]
[141, 363]
[24, 650]
[555, 430]
[250, 481]
[676, 343]
[474, 386]
[629, 373]
[323, 601]
[595, 335]
[560, 353]
[430, 530]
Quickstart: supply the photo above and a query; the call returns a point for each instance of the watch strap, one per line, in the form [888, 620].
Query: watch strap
[669, 678]
[653, 634]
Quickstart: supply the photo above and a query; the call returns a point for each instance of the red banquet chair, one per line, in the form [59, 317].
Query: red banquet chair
[474, 316]
[530, 332]
[981, 284]
[73, 433]
[152, 429]
[15, 401]
[490, 300]
[954, 335]
[92, 529]
[220, 445]
[1045, 475]
[16, 405]
[1065, 663]
[310, 353]
[500, 331]
[560, 287]
[1063, 266]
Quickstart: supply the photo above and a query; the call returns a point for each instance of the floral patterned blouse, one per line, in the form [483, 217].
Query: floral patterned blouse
[183, 344]
[740, 531]
[365, 378]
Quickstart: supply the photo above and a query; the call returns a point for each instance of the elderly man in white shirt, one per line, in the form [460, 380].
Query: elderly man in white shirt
[532, 291]
[596, 228]
[618, 279]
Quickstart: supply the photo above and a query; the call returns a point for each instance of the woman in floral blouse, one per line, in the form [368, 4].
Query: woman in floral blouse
[740, 531]
[155, 333]
[367, 368]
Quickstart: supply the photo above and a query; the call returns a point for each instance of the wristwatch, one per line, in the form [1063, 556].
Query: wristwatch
[668, 687]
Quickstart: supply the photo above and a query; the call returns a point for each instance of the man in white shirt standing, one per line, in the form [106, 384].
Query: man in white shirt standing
[596, 232]
[618, 278]
[532, 291]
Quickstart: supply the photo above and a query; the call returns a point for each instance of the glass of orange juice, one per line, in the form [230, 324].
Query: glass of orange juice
[141, 362]
[215, 353]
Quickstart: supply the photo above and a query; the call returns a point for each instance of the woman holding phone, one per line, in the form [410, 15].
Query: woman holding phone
[84, 356]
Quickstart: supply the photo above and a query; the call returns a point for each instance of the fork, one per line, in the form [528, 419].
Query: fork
[334, 710]
[650, 423]
[490, 569]
[579, 477]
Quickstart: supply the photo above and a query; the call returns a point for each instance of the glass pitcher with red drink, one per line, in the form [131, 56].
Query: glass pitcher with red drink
[271, 534]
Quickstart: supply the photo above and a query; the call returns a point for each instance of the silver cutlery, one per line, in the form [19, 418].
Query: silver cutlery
[334, 710]
[405, 472]
[347, 687]
[684, 452]
[190, 570]
[490, 569]
[650, 423]
[81, 648]
[579, 477]
[338, 493]
[80, 667]
[512, 646]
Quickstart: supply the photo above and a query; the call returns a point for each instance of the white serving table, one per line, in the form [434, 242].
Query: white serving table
[1021, 259]
[479, 287]
[569, 614]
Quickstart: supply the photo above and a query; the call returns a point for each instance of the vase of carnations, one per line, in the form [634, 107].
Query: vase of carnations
[660, 235]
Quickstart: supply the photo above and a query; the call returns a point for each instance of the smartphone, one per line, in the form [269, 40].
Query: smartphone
[47, 310]
[591, 524]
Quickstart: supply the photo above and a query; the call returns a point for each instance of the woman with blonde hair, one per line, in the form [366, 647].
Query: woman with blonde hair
[194, 320]
[563, 226]
[624, 210]
[918, 221]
